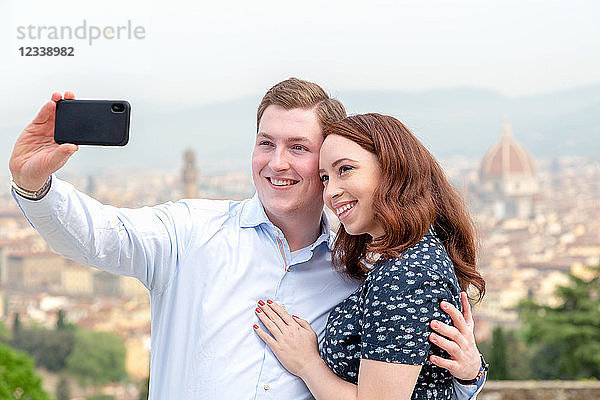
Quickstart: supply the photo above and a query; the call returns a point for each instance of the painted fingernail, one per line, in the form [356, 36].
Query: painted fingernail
[261, 303]
[444, 305]
[270, 301]
[295, 316]
[258, 310]
[255, 326]
[435, 324]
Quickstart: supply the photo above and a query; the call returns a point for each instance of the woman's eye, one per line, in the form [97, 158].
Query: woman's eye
[345, 168]
[324, 178]
[264, 143]
[298, 147]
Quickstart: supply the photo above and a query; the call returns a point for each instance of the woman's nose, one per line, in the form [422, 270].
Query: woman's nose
[331, 191]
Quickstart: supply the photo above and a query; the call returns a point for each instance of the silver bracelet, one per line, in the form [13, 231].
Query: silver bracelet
[29, 194]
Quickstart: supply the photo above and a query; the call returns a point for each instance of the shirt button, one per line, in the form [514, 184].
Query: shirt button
[267, 386]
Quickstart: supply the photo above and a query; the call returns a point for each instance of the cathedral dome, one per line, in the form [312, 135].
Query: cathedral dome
[506, 158]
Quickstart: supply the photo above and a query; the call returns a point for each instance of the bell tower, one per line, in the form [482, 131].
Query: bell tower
[190, 175]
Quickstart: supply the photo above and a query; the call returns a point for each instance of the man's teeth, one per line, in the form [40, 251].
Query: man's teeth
[343, 208]
[282, 182]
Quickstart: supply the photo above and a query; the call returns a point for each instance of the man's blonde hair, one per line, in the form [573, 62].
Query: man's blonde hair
[296, 93]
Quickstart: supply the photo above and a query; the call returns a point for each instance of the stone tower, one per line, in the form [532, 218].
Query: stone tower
[190, 175]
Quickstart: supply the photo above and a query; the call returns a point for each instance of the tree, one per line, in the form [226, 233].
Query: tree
[519, 356]
[4, 333]
[498, 368]
[571, 330]
[62, 323]
[63, 390]
[49, 348]
[145, 389]
[16, 326]
[60, 320]
[97, 357]
[17, 376]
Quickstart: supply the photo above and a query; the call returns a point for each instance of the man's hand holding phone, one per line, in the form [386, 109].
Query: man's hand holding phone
[52, 137]
[35, 154]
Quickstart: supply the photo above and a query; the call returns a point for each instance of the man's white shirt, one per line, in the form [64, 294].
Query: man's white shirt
[206, 263]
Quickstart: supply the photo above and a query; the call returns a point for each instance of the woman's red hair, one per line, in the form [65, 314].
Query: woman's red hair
[414, 195]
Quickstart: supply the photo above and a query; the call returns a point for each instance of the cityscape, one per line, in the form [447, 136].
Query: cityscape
[505, 95]
[537, 221]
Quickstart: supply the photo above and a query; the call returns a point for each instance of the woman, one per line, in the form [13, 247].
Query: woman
[395, 204]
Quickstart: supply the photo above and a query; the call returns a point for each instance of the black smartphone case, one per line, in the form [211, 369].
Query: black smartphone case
[92, 122]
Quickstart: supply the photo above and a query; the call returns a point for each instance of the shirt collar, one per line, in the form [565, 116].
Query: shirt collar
[253, 215]
[326, 234]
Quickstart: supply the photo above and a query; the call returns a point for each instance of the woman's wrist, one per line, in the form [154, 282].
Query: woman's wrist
[312, 369]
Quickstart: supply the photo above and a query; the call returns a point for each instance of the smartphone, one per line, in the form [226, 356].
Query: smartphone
[93, 122]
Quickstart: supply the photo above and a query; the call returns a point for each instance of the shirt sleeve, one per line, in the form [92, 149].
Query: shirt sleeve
[145, 243]
[398, 309]
[468, 392]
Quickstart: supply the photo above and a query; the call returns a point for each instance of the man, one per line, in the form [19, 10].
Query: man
[207, 263]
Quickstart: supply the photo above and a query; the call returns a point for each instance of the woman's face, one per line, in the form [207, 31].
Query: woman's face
[350, 175]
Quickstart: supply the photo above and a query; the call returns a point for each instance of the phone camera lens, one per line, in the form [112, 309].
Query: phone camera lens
[117, 107]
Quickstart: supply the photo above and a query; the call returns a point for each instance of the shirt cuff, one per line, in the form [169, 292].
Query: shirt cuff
[46, 205]
[469, 392]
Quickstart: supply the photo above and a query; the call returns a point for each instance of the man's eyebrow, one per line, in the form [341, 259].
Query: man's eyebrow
[298, 139]
[265, 135]
[294, 139]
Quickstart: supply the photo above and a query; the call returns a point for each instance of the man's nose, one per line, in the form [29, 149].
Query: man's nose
[279, 161]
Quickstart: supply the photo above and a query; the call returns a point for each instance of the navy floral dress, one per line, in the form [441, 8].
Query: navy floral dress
[387, 318]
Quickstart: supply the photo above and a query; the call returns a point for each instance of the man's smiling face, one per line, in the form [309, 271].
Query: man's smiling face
[285, 162]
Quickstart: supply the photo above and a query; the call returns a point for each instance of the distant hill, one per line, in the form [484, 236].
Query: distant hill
[456, 121]
[468, 121]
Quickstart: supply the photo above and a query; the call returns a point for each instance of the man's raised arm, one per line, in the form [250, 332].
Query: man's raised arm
[145, 243]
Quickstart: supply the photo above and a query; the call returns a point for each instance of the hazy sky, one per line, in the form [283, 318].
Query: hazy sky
[198, 51]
